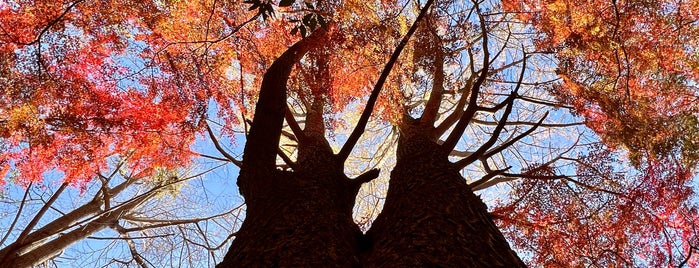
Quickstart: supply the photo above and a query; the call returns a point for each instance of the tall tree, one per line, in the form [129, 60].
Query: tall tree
[315, 199]
[300, 217]
[450, 226]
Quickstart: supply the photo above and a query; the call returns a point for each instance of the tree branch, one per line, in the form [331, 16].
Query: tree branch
[219, 148]
[527, 123]
[263, 141]
[493, 137]
[40, 213]
[458, 110]
[368, 109]
[294, 125]
[19, 213]
[432, 106]
[501, 124]
[512, 141]
[504, 176]
[366, 177]
[488, 176]
[287, 160]
[460, 127]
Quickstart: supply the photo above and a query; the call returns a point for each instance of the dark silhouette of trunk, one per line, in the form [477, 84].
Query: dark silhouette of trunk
[299, 218]
[302, 218]
[431, 217]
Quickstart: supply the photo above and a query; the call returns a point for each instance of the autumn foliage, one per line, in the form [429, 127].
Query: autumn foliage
[587, 219]
[629, 67]
[86, 82]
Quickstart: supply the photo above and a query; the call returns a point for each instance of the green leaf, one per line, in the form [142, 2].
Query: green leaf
[286, 3]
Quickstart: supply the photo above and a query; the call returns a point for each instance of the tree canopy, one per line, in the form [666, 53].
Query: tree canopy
[576, 122]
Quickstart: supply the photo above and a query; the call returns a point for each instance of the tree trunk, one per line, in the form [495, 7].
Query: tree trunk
[302, 218]
[302, 221]
[431, 217]
[299, 218]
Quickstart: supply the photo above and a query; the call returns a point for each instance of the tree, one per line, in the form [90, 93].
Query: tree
[472, 103]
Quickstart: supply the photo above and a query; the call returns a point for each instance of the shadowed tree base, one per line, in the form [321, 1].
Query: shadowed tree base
[432, 218]
[297, 223]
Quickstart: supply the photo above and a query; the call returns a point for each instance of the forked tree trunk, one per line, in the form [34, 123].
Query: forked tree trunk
[303, 218]
[431, 217]
[300, 218]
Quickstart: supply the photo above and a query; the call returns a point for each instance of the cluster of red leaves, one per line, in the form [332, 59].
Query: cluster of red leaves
[85, 81]
[603, 217]
[629, 67]
[354, 57]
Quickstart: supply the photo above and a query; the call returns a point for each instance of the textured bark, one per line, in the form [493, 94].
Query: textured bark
[305, 220]
[300, 218]
[431, 217]
[299, 222]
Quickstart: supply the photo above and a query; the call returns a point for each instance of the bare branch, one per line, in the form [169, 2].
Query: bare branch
[458, 153]
[40, 213]
[504, 178]
[366, 177]
[458, 110]
[488, 176]
[19, 212]
[432, 106]
[132, 249]
[547, 103]
[294, 125]
[460, 127]
[527, 123]
[286, 159]
[512, 141]
[219, 148]
[493, 137]
[214, 157]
